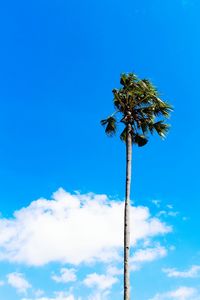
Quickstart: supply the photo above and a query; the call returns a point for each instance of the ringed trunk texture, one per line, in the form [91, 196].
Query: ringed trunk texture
[127, 213]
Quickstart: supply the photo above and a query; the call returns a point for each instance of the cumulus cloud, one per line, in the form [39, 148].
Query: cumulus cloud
[103, 295]
[99, 295]
[57, 296]
[100, 281]
[114, 271]
[146, 255]
[182, 293]
[73, 228]
[19, 282]
[149, 254]
[66, 275]
[193, 272]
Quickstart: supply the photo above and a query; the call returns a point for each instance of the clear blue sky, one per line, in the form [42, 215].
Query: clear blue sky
[59, 61]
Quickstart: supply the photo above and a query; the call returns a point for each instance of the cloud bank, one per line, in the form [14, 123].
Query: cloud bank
[74, 229]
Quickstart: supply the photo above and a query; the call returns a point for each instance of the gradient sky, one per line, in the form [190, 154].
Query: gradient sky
[59, 61]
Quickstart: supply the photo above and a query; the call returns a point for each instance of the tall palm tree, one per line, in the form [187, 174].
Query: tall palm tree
[142, 112]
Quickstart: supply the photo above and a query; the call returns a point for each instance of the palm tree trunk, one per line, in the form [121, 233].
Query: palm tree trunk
[127, 214]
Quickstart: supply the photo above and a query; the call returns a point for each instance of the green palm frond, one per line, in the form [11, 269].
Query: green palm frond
[150, 87]
[139, 104]
[128, 79]
[161, 128]
[140, 140]
[110, 124]
[162, 109]
[123, 135]
[119, 102]
[144, 125]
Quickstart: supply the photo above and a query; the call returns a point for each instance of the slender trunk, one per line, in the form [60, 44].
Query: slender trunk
[127, 214]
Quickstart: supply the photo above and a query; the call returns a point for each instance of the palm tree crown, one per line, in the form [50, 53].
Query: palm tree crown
[138, 102]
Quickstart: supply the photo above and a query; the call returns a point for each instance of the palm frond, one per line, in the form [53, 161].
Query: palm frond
[140, 106]
[150, 87]
[123, 135]
[140, 140]
[144, 126]
[110, 124]
[118, 100]
[161, 128]
[162, 108]
[127, 79]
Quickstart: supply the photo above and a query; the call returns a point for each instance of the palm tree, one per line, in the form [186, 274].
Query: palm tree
[142, 112]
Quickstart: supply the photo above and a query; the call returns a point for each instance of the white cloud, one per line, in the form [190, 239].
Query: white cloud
[19, 282]
[66, 275]
[148, 255]
[169, 212]
[100, 281]
[73, 228]
[114, 271]
[182, 293]
[57, 296]
[100, 295]
[194, 271]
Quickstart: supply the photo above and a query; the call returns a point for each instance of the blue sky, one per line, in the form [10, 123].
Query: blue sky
[60, 61]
